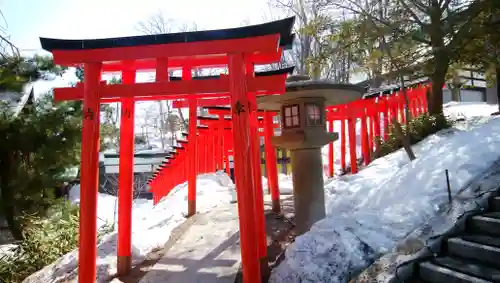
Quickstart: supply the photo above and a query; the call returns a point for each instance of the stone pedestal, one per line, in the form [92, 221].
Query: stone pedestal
[308, 191]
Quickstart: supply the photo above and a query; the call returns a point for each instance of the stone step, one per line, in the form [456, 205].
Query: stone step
[470, 250]
[433, 273]
[469, 267]
[488, 223]
[492, 214]
[494, 204]
[483, 239]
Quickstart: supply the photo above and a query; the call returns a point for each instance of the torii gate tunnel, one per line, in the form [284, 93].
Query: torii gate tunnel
[238, 49]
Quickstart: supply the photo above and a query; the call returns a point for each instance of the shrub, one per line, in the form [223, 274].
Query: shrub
[45, 240]
[420, 127]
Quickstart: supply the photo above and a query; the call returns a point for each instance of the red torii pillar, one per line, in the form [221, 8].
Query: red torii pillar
[257, 174]
[227, 148]
[210, 140]
[271, 166]
[243, 167]
[126, 178]
[220, 142]
[210, 151]
[203, 153]
[89, 172]
[385, 108]
[218, 132]
[375, 117]
[337, 113]
[370, 108]
[192, 159]
[365, 149]
[331, 159]
[351, 130]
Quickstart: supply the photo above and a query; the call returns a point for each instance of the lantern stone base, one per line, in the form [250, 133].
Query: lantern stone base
[308, 190]
[307, 172]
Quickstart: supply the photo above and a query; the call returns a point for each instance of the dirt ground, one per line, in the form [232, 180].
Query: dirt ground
[280, 233]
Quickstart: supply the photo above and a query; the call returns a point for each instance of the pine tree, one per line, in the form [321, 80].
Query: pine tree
[37, 148]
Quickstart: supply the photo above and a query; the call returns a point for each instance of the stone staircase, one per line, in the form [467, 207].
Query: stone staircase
[472, 255]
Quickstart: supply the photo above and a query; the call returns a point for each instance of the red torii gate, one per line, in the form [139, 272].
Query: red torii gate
[240, 48]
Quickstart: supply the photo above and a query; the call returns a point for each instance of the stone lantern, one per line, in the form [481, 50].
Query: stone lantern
[303, 132]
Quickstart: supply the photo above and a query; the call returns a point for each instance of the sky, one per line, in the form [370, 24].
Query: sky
[27, 20]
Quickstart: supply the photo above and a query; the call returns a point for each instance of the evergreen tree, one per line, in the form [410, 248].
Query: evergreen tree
[37, 149]
[38, 145]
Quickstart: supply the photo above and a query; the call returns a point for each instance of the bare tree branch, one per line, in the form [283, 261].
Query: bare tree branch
[361, 11]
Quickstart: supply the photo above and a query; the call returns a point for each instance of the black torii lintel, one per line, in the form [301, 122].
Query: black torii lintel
[282, 27]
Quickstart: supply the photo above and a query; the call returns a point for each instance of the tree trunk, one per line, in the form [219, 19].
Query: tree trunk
[455, 91]
[182, 119]
[8, 203]
[438, 79]
[405, 140]
[162, 124]
[441, 60]
[497, 71]
[405, 137]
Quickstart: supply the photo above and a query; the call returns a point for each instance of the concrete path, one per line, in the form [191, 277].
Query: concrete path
[208, 252]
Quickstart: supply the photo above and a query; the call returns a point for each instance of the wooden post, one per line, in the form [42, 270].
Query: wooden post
[192, 150]
[162, 76]
[220, 140]
[364, 139]
[371, 131]
[271, 166]
[206, 154]
[386, 117]
[257, 174]
[211, 149]
[243, 169]
[376, 128]
[351, 124]
[126, 179]
[342, 145]
[331, 161]
[226, 160]
[89, 174]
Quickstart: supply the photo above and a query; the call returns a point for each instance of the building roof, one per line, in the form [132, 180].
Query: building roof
[17, 101]
[145, 160]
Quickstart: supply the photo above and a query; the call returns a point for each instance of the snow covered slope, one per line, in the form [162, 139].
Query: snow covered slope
[370, 212]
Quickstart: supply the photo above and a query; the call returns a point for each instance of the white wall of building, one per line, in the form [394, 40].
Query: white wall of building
[466, 95]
